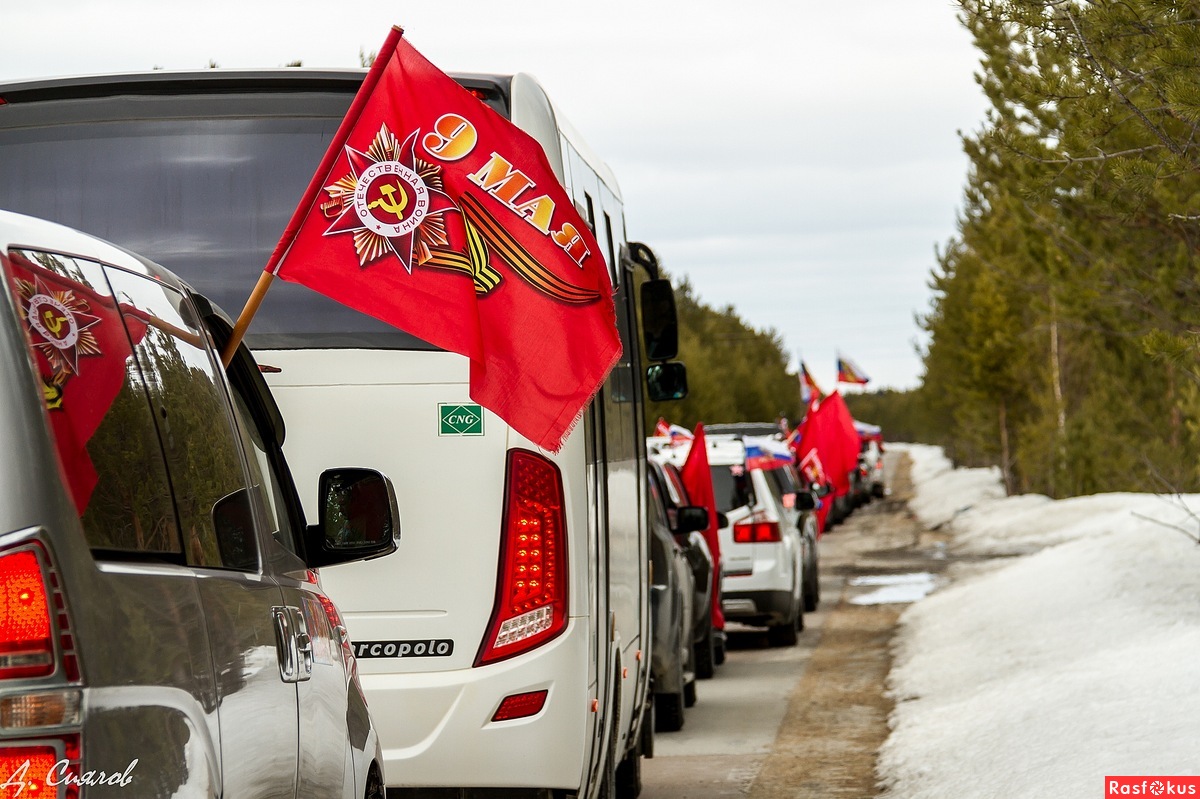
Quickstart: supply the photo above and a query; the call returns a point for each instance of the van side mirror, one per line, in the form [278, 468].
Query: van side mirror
[660, 327]
[635, 254]
[805, 500]
[666, 381]
[358, 518]
[690, 519]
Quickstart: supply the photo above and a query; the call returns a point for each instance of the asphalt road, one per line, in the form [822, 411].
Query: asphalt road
[805, 721]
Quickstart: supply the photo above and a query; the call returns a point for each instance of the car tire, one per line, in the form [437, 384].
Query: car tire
[786, 634]
[705, 655]
[629, 775]
[812, 582]
[719, 649]
[668, 712]
[782, 634]
[648, 723]
[689, 693]
[608, 774]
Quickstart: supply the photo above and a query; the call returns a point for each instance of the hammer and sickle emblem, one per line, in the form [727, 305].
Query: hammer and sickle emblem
[388, 201]
[53, 322]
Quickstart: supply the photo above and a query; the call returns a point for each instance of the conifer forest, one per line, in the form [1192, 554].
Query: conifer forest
[1063, 337]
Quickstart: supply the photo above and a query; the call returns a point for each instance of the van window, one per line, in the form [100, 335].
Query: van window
[783, 479]
[140, 422]
[782, 485]
[104, 431]
[192, 412]
[775, 485]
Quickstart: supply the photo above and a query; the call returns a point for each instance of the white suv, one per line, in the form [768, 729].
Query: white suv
[762, 548]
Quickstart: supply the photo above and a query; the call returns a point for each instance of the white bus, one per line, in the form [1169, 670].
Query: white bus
[478, 685]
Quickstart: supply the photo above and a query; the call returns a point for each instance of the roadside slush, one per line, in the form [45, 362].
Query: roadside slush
[807, 721]
[837, 714]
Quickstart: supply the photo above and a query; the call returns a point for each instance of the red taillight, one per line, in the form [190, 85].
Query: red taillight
[519, 706]
[26, 634]
[752, 532]
[36, 769]
[531, 588]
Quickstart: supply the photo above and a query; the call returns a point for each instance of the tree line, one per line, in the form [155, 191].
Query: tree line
[1064, 327]
[736, 372]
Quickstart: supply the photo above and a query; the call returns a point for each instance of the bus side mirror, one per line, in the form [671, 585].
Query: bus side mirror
[359, 519]
[666, 381]
[660, 328]
[690, 519]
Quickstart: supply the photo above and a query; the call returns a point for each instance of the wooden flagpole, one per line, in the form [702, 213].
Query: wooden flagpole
[243, 321]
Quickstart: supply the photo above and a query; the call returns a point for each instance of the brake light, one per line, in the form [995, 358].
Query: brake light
[26, 634]
[37, 768]
[519, 706]
[531, 588]
[756, 532]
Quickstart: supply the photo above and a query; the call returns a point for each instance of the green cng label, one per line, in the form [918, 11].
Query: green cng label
[460, 419]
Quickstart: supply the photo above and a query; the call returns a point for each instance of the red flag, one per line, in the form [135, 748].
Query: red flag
[434, 214]
[81, 349]
[697, 479]
[829, 429]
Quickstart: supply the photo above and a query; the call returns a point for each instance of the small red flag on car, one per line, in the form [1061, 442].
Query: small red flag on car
[433, 213]
[697, 479]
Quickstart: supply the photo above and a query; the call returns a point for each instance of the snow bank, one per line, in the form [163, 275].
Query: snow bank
[1073, 658]
[943, 492]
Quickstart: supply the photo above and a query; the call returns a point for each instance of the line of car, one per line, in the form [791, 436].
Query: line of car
[767, 558]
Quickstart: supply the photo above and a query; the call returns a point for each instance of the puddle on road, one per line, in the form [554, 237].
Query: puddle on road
[893, 588]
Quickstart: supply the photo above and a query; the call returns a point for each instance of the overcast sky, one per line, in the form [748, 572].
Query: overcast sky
[796, 159]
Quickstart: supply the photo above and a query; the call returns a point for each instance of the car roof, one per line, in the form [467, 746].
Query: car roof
[743, 428]
[19, 230]
[723, 450]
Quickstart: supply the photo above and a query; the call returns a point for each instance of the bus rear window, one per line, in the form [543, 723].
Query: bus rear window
[205, 196]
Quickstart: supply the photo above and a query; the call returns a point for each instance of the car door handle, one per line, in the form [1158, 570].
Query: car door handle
[285, 643]
[294, 644]
[304, 645]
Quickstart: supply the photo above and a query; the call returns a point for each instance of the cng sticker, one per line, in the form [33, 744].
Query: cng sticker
[460, 419]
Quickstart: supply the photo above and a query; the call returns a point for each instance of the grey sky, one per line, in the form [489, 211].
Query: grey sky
[798, 160]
